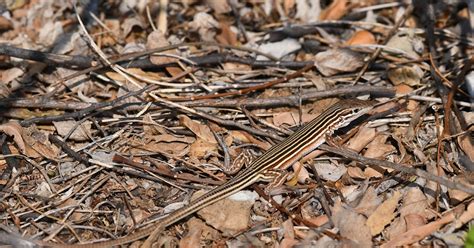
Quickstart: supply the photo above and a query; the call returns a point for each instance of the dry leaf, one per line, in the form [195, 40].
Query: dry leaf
[370, 172]
[226, 35]
[150, 127]
[219, 6]
[288, 5]
[378, 147]
[245, 137]
[352, 226]
[362, 138]
[466, 144]
[288, 243]
[384, 214]
[319, 220]
[132, 22]
[419, 233]
[303, 173]
[38, 142]
[279, 49]
[466, 216]
[288, 229]
[414, 202]
[76, 216]
[200, 130]
[409, 75]
[407, 42]
[331, 171]
[458, 196]
[11, 74]
[157, 39]
[82, 132]
[110, 38]
[176, 148]
[14, 129]
[192, 237]
[369, 202]
[334, 61]
[49, 33]
[205, 25]
[200, 148]
[308, 11]
[335, 11]
[229, 215]
[355, 172]
[405, 89]
[43, 190]
[414, 220]
[361, 37]
[5, 24]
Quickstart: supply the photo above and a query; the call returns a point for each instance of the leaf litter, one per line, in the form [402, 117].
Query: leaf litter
[101, 151]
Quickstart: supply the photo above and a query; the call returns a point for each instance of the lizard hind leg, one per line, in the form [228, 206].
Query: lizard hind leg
[242, 160]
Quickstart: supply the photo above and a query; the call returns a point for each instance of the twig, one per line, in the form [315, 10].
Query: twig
[398, 167]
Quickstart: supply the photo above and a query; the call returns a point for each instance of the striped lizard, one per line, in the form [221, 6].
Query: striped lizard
[276, 159]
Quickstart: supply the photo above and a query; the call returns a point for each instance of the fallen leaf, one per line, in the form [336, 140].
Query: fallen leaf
[230, 215]
[109, 39]
[308, 11]
[303, 173]
[200, 148]
[409, 75]
[49, 33]
[335, 11]
[288, 243]
[384, 214]
[466, 216]
[226, 35]
[200, 130]
[458, 196]
[334, 61]
[331, 171]
[369, 202]
[192, 237]
[319, 220]
[176, 148]
[132, 22]
[11, 74]
[245, 137]
[219, 6]
[406, 41]
[82, 132]
[43, 190]
[39, 142]
[361, 37]
[279, 49]
[205, 25]
[355, 172]
[370, 172]
[14, 129]
[414, 220]
[5, 24]
[157, 39]
[419, 233]
[378, 147]
[465, 142]
[413, 202]
[352, 226]
[229, 66]
[288, 229]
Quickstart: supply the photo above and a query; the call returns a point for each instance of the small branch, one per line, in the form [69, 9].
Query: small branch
[398, 167]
